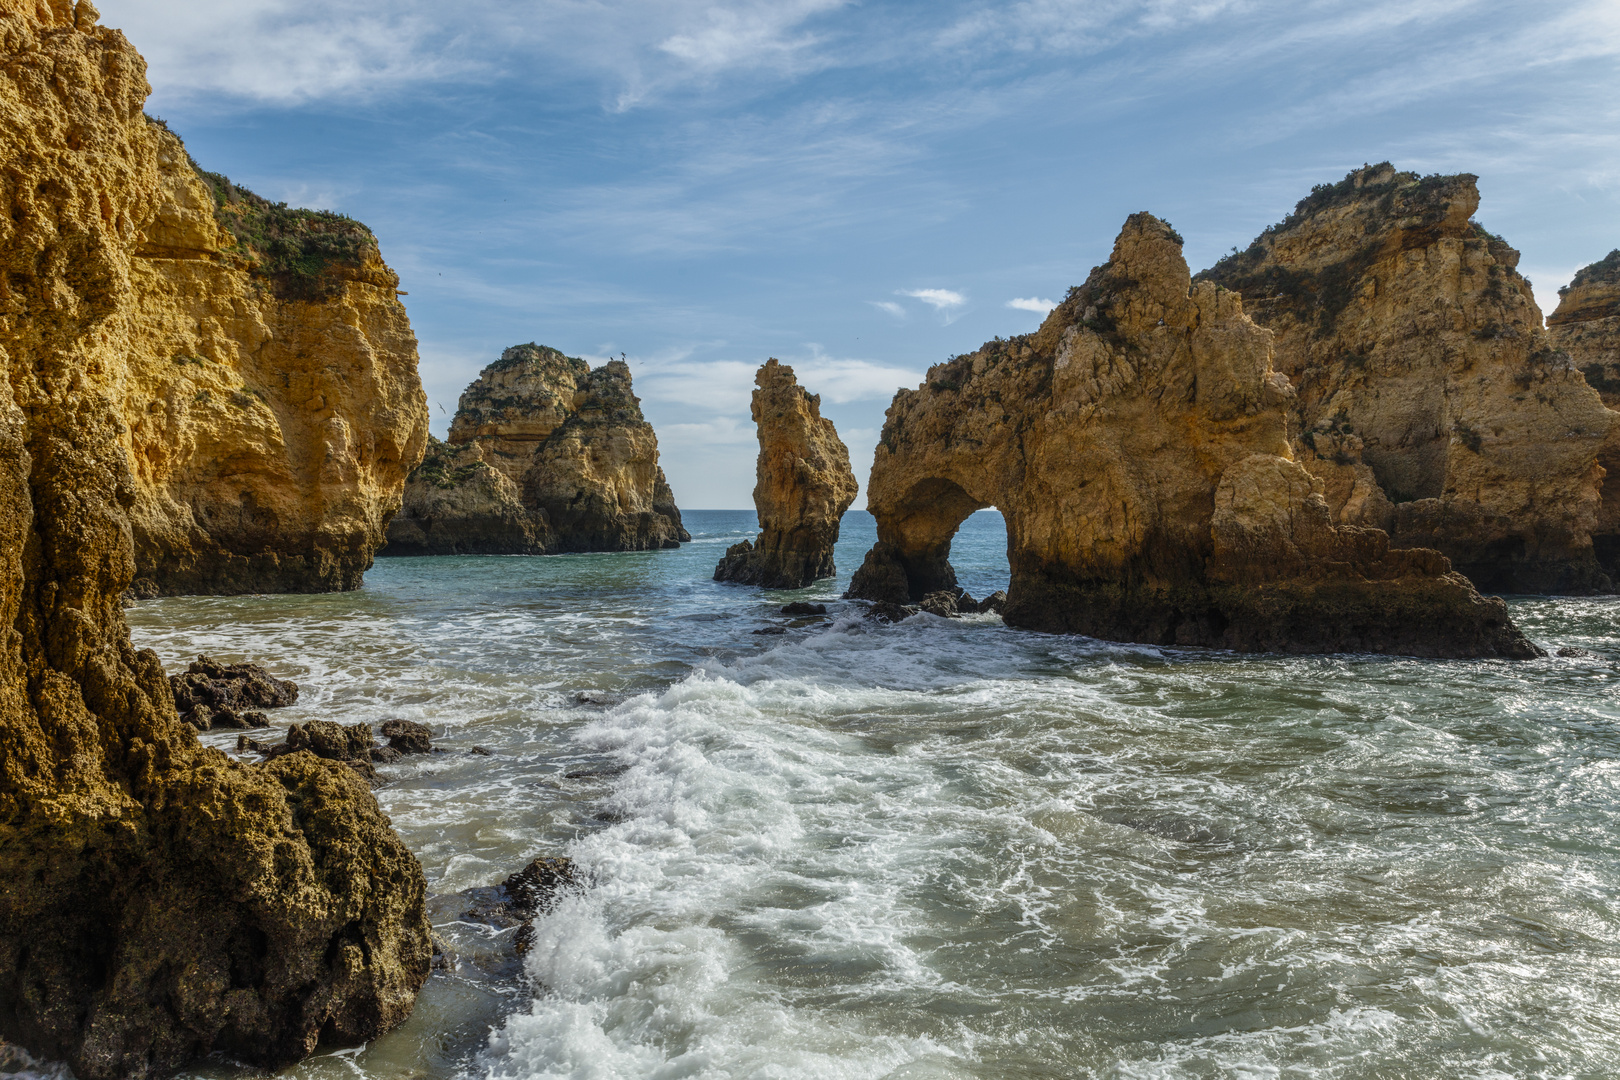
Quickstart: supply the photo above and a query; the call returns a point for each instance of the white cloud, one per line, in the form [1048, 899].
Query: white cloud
[1031, 303]
[939, 299]
[748, 35]
[890, 306]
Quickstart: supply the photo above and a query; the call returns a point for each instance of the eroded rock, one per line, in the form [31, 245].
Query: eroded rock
[214, 695]
[408, 737]
[163, 902]
[1138, 448]
[1430, 402]
[1586, 327]
[269, 390]
[545, 455]
[803, 486]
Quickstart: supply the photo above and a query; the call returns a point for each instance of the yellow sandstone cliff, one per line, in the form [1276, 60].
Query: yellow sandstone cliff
[1137, 446]
[271, 396]
[545, 455]
[1429, 401]
[803, 486]
[161, 902]
[1586, 326]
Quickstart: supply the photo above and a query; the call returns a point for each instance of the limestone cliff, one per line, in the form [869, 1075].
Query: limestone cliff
[803, 485]
[272, 399]
[1137, 446]
[1586, 327]
[161, 902]
[543, 431]
[1430, 402]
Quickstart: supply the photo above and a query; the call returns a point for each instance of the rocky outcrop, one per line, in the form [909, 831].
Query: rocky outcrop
[162, 902]
[271, 397]
[1429, 400]
[210, 695]
[1137, 446]
[1586, 327]
[545, 455]
[803, 486]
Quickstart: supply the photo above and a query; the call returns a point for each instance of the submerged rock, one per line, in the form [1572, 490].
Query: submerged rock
[804, 485]
[545, 455]
[1137, 446]
[519, 898]
[162, 902]
[1430, 402]
[1586, 326]
[800, 607]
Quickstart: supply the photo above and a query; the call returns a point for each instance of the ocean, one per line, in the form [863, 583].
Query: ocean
[946, 849]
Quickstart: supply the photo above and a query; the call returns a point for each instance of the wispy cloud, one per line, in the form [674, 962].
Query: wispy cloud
[890, 306]
[1031, 303]
[944, 301]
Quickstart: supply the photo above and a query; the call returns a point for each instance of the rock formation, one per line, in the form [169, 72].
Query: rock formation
[161, 901]
[545, 455]
[272, 399]
[1430, 402]
[1137, 446]
[803, 486]
[1586, 327]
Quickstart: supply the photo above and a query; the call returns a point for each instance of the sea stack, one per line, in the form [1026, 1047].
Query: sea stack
[1586, 327]
[1137, 445]
[803, 486]
[162, 902]
[545, 455]
[270, 393]
[1430, 402]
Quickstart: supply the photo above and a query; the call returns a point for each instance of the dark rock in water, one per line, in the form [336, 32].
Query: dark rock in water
[210, 694]
[994, 602]
[532, 887]
[941, 602]
[408, 737]
[893, 613]
[1572, 651]
[329, 739]
[385, 755]
[801, 607]
[602, 773]
[602, 698]
[482, 751]
[248, 745]
[771, 630]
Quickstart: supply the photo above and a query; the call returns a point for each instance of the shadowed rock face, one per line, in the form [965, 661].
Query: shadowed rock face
[271, 395]
[804, 484]
[1586, 326]
[1430, 402]
[1137, 446]
[545, 455]
[161, 901]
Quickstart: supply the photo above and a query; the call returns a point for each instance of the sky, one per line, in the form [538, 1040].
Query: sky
[858, 189]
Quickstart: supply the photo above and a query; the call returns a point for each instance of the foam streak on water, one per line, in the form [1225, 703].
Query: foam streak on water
[950, 849]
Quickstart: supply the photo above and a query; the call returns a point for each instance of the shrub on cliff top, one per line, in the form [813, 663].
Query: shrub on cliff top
[295, 248]
[1606, 271]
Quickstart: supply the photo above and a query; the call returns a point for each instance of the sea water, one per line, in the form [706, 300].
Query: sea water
[946, 848]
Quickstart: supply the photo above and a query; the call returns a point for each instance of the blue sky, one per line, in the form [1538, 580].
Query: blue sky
[859, 189]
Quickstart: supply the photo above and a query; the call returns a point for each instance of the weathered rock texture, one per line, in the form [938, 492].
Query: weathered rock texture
[545, 455]
[1430, 402]
[272, 399]
[1586, 326]
[803, 486]
[160, 901]
[1137, 446]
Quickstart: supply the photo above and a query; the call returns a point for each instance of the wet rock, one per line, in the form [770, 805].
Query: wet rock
[209, 694]
[994, 602]
[771, 630]
[1575, 652]
[481, 751]
[408, 737]
[801, 607]
[329, 739]
[892, 613]
[599, 698]
[941, 602]
[533, 887]
[385, 755]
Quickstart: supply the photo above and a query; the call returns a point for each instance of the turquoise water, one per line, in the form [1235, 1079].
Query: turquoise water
[952, 849]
